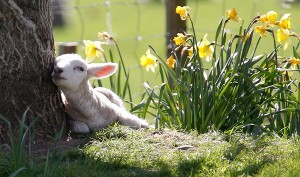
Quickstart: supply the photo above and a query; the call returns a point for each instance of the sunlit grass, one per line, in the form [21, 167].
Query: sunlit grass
[118, 151]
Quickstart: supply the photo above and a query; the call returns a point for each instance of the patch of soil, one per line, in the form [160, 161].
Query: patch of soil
[64, 144]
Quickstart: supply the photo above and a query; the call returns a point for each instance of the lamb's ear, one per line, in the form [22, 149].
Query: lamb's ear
[101, 70]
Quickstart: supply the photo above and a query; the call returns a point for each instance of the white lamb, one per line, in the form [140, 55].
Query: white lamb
[90, 109]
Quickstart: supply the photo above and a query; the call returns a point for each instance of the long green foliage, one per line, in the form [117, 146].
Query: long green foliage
[18, 141]
[115, 83]
[241, 90]
[20, 148]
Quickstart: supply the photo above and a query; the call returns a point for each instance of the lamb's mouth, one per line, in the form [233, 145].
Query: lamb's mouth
[58, 78]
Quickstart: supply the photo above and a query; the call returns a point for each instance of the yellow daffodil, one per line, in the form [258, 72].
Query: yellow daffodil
[180, 39]
[232, 15]
[283, 36]
[294, 62]
[205, 49]
[148, 61]
[261, 30]
[269, 18]
[285, 22]
[92, 49]
[183, 11]
[171, 61]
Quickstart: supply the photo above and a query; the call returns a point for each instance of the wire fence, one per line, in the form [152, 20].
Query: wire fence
[136, 24]
[134, 41]
[75, 7]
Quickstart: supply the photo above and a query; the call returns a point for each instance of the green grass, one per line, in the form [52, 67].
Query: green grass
[118, 151]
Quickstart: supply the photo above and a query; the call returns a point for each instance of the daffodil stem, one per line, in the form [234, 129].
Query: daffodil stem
[251, 24]
[194, 33]
[281, 95]
[125, 72]
[121, 58]
[223, 32]
[275, 49]
[256, 47]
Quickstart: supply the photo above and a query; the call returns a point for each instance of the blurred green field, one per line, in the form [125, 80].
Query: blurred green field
[137, 25]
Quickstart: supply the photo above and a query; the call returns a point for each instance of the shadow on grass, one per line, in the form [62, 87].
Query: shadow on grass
[78, 164]
[193, 167]
[87, 166]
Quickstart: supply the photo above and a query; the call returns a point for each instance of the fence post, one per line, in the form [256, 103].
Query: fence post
[67, 47]
[174, 23]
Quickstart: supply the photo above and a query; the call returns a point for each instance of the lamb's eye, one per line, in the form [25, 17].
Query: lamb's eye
[79, 68]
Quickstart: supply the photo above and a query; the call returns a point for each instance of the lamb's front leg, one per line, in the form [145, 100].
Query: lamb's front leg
[75, 120]
[132, 121]
[77, 126]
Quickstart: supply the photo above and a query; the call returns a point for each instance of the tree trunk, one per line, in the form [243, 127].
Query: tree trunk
[26, 57]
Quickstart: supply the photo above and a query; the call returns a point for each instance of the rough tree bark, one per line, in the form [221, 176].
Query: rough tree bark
[26, 57]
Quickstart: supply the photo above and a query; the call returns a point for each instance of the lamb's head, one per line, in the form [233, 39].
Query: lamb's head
[71, 71]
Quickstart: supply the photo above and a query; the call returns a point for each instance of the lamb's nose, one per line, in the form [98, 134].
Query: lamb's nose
[58, 70]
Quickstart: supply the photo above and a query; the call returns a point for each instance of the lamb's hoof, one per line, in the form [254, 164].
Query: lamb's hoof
[144, 123]
[78, 126]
